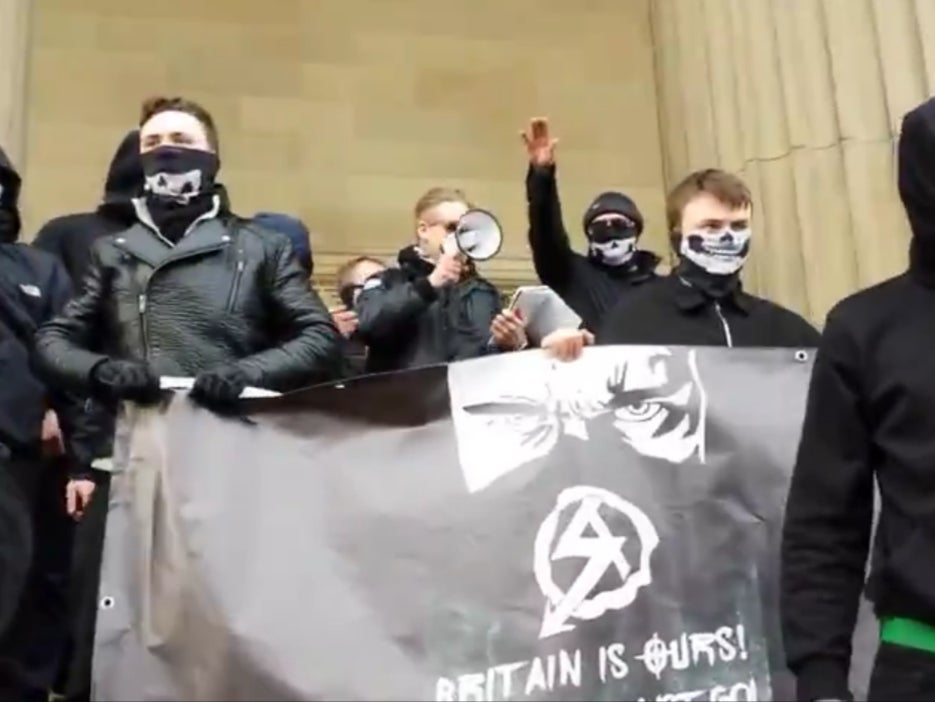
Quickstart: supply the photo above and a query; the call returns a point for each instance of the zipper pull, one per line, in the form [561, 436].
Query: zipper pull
[240, 266]
[142, 302]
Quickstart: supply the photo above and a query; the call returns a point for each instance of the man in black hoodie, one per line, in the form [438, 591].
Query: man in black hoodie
[70, 238]
[34, 287]
[870, 417]
[590, 284]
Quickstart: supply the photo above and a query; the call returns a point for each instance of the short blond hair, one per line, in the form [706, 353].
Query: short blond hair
[436, 196]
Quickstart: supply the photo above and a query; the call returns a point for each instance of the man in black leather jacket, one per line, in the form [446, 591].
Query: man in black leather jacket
[190, 289]
[434, 308]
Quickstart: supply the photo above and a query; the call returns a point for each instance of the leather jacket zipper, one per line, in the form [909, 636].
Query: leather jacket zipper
[728, 337]
[143, 333]
[238, 276]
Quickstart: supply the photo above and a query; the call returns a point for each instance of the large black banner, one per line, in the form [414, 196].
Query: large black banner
[504, 528]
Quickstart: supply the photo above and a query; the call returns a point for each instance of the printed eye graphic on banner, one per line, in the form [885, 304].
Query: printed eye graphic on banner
[588, 536]
[653, 399]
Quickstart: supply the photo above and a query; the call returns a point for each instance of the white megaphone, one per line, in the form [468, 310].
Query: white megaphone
[478, 236]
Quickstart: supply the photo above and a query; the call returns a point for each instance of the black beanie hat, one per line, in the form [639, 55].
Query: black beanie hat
[613, 203]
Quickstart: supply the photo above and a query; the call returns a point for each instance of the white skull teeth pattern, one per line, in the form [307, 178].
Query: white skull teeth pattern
[175, 185]
[719, 253]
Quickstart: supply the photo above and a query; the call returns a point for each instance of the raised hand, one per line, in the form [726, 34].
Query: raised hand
[540, 146]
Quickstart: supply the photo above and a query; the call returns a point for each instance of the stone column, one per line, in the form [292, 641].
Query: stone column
[15, 38]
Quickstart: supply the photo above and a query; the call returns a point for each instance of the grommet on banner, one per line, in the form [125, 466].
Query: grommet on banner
[801, 356]
[108, 602]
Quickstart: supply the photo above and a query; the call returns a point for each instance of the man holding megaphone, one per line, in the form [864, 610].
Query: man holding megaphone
[434, 308]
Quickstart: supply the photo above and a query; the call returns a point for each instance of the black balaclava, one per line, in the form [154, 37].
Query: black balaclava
[179, 187]
[917, 187]
[10, 183]
[124, 180]
[613, 243]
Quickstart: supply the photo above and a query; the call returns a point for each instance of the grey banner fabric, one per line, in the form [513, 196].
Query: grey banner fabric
[504, 528]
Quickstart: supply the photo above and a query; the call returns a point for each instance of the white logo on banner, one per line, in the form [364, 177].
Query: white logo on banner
[588, 536]
[511, 410]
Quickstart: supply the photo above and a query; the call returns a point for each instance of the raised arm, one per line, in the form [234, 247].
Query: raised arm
[552, 254]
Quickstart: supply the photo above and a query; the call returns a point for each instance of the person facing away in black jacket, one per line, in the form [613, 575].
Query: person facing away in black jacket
[434, 308]
[189, 289]
[71, 236]
[870, 416]
[590, 284]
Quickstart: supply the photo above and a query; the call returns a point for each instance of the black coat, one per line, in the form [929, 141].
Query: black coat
[589, 288]
[669, 312]
[227, 293]
[406, 323]
[870, 419]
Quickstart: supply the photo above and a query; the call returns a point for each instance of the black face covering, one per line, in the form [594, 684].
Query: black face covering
[177, 174]
[716, 287]
[9, 198]
[9, 226]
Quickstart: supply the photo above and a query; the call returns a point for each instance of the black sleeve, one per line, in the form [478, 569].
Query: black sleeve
[552, 254]
[828, 520]
[310, 348]
[799, 332]
[49, 238]
[387, 305]
[78, 419]
[479, 307]
[64, 345]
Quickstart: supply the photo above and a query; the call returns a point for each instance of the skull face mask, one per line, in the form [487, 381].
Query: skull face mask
[612, 242]
[719, 253]
[178, 173]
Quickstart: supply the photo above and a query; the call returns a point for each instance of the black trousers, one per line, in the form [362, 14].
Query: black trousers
[32, 648]
[86, 580]
[902, 674]
[15, 541]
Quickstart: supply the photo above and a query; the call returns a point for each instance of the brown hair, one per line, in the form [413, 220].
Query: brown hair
[155, 105]
[344, 272]
[437, 196]
[724, 186]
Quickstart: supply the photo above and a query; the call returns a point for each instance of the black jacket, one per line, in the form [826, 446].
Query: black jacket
[406, 323]
[670, 312]
[70, 238]
[585, 285]
[33, 288]
[870, 414]
[227, 293]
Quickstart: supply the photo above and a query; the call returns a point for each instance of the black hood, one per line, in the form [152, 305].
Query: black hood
[10, 183]
[124, 179]
[917, 186]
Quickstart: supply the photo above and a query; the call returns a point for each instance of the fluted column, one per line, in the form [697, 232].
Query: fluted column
[14, 59]
[804, 99]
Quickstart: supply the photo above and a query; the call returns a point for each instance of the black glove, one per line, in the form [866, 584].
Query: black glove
[115, 379]
[220, 388]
